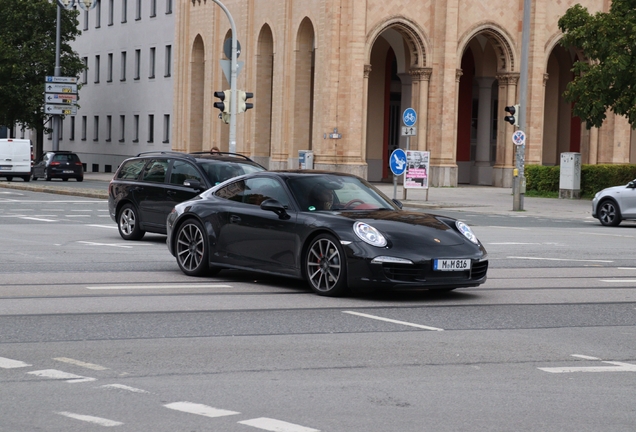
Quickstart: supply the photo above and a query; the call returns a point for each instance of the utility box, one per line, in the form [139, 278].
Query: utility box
[305, 159]
[570, 178]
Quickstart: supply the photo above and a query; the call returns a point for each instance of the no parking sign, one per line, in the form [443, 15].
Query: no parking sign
[519, 138]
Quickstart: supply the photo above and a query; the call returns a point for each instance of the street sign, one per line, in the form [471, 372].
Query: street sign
[409, 117]
[227, 48]
[417, 169]
[397, 162]
[519, 138]
[60, 88]
[409, 131]
[60, 98]
[60, 109]
[68, 80]
[226, 66]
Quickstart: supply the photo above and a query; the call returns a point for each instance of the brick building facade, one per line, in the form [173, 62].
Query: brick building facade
[317, 67]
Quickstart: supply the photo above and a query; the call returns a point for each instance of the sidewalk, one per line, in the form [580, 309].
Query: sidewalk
[477, 199]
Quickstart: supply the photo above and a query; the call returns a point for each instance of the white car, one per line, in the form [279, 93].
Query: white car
[615, 204]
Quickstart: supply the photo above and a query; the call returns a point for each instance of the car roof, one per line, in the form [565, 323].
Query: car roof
[202, 156]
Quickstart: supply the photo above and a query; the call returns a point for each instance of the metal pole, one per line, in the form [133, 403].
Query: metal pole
[57, 72]
[519, 180]
[233, 77]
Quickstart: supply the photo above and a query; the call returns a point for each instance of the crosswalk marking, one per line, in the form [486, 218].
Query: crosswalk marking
[6, 363]
[124, 387]
[80, 363]
[91, 419]
[276, 425]
[56, 374]
[199, 409]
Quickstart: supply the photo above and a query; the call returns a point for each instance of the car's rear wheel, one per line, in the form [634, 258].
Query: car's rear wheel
[325, 266]
[79, 179]
[609, 213]
[128, 223]
[65, 179]
[9, 178]
[191, 248]
[26, 178]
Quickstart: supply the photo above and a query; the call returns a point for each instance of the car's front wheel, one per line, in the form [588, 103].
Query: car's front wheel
[325, 266]
[128, 223]
[191, 248]
[609, 213]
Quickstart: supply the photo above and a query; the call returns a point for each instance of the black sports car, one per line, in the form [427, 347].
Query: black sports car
[334, 230]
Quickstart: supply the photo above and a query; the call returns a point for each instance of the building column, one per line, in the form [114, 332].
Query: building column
[482, 174]
[365, 112]
[421, 81]
[502, 171]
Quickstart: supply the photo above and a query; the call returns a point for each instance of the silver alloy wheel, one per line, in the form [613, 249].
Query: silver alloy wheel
[127, 221]
[324, 265]
[190, 247]
[608, 213]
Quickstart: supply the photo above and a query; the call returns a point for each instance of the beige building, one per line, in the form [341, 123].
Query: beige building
[334, 77]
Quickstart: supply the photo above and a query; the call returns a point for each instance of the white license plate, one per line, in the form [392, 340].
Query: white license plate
[451, 264]
[5, 167]
[67, 172]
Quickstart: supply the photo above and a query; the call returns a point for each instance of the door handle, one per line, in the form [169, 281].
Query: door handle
[235, 219]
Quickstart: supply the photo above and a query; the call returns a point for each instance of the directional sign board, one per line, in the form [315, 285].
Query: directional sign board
[60, 109]
[409, 117]
[68, 80]
[60, 98]
[397, 162]
[60, 88]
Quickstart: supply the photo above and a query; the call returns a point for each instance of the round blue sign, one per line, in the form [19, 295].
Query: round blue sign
[409, 117]
[397, 162]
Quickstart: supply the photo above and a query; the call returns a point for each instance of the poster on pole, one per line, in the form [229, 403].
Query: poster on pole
[417, 166]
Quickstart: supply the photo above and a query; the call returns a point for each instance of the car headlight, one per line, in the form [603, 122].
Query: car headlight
[368, 234]
[466, 231]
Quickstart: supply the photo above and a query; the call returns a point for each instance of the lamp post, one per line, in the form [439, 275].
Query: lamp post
[66, 4]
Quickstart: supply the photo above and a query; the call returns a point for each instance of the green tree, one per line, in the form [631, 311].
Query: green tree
[607, 81]
[27, 56]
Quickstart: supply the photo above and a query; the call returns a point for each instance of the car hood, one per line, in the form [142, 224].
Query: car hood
[405, 227]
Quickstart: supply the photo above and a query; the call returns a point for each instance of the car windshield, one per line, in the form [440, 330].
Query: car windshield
[219, 171]
[337, 193]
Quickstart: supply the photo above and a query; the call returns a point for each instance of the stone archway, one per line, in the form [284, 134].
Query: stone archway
[197, 86]
[264, 86]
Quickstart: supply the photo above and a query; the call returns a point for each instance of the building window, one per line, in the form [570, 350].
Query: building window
[111, 14]
[98, 15]
[85, 20]
[138, 10]
[83, 128]
[137, 64]
[60, 130]
[124, 10]
[168, 7]
[166, 128]
[96, 128]
[72, 131]
[123, 66]
[85, 71]
[168, 67]
[136, 128]
[96, 69]
[151, 128]
[109, 127]
[109, 71]
[122, 128]
[153, 8]
[151, 71]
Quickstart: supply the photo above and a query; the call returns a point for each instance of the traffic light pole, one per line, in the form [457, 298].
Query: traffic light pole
[233, 77]
[519, 180]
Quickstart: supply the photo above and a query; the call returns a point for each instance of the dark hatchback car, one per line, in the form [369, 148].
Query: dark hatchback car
[145, 188]
[58, 164]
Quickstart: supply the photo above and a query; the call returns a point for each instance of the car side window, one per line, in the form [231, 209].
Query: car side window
[260, 189]
[233, 192]
[130, 170]
[182, 171]
[155, 171]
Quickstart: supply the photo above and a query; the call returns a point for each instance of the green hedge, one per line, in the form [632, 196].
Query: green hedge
[545, 179]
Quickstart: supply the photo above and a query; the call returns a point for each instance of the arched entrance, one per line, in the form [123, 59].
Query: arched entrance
[197, 84]
[303, 114]
[263, 109]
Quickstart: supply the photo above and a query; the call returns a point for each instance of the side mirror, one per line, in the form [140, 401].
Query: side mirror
[397, 203]
[276, 207]
[632, 184]
[194, 184]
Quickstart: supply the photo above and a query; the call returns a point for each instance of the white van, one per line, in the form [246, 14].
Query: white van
[16, 158]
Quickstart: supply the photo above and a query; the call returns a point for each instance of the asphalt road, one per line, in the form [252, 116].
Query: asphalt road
[98, 332]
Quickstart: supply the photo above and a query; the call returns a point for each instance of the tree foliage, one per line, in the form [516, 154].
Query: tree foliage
[27, 56]
[607, 81]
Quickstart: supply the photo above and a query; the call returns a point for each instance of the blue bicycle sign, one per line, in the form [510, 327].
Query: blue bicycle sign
[409, 117]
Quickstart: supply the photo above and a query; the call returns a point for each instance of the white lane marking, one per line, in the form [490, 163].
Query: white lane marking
[617, 366]
[627, 268]
[77, 216]
[557, 259]
[509, 228]
[80, 363]
[585, 357]
[276, 425]
[514, 243]
[91, 419]
[38, 219]
[105, 244]
[158, 286]
[618, 280]
[607, 235]
[199, 409]
[81, 210]
[6, 363]
[124, 387]
[393, 321]
[56, 374]
[103, 226]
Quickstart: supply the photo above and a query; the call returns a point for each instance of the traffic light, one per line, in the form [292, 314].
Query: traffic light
[513, 118]
[242, 98]
[224, 105]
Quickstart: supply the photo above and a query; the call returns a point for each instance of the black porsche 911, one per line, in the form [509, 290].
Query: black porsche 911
[334, 230]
